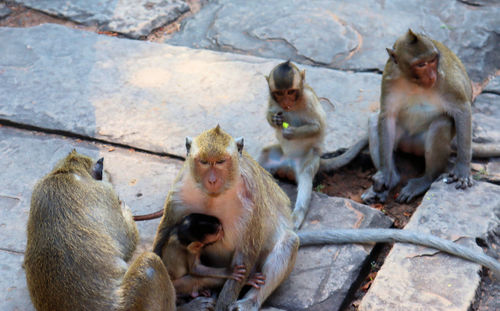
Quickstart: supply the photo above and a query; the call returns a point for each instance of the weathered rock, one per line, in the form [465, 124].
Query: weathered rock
[493, 171]
[151, 96]
[4, 10]
[417, 278]
[493, 86]
[14, 293]
[485, 116]
[132, 18]
[142, 181]
[323, 276]
[348, 35]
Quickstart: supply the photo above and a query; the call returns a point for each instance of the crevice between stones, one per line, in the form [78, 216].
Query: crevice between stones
[68, 134]
[11, 251]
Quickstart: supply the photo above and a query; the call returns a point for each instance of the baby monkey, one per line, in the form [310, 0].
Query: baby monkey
[182, 255]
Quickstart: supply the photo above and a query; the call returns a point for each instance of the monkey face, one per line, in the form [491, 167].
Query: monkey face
[215, 173]
[286, 98]
[425, 71]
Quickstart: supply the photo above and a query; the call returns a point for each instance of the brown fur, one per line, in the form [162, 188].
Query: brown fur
[421, 109]
[79, 239]
[254, 213]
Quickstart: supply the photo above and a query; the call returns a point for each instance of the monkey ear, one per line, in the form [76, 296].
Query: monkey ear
[97, 169]
[413, 37]
[392, 55]
[189, 142]
[239, 143]
[303, 74]
[267, 78]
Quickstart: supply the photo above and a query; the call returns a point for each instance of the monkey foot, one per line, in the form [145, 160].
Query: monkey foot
[200, 303]
[415, 187]
[371, 196]
[246, 304]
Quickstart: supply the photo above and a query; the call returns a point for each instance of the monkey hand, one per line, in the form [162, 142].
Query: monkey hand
[460, 175]
[257, 280]
[239, 272]
[385, 180]
[288, 133]
[277, 119]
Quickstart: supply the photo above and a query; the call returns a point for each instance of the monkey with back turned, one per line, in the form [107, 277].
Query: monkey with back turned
[80, 238]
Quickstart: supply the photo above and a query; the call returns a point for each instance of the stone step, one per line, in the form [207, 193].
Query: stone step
[142, 181]
[133, 18]
[151, 96]
[417, 278]
[349, 35]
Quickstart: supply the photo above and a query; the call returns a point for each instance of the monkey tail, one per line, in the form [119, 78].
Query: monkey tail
[150, 216]
[345, 158]
[485, 151]
[343, 236]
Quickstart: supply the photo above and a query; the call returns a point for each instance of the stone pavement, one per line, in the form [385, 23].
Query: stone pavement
[110, 96]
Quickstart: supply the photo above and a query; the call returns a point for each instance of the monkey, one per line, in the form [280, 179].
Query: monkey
[219, 178]
[299, 121]
[182, 255]
[425, 101]
[79, 239]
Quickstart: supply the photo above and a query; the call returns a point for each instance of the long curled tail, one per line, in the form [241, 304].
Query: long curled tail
[345, 158]
[343, 236]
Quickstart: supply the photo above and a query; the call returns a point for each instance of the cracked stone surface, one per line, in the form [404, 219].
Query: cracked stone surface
[14, 294]
[493, 86]
[4, 10]
[133, 18]
[418, 278]
[485, 116]
[350, 35]
[151, 96]
[141, 180]
[323, 276]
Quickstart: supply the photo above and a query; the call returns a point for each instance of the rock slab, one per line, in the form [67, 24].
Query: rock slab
[4, 10]
[323, 275]
[348, 35]
[417, 278]
[133, 18]
[151, 96]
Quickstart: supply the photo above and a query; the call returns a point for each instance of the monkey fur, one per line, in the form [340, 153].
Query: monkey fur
[220, 179]
[295, 113]
[256, 217]
[182, 255]
[80, 237]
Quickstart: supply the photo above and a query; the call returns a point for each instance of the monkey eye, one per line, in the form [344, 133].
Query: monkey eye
[422, 64]
[291, 92]
[278, 93]
[203, 162]
[221, 161]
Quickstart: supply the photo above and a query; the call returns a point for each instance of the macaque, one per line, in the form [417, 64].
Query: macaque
[425, 102]
[80, 237]
[182, 256]
[295, 113]
[220, 179]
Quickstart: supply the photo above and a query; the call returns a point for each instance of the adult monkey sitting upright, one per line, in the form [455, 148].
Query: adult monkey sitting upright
[220, 179]
[425, 100]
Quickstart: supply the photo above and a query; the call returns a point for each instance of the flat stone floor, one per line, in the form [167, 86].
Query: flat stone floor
[110, 93]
